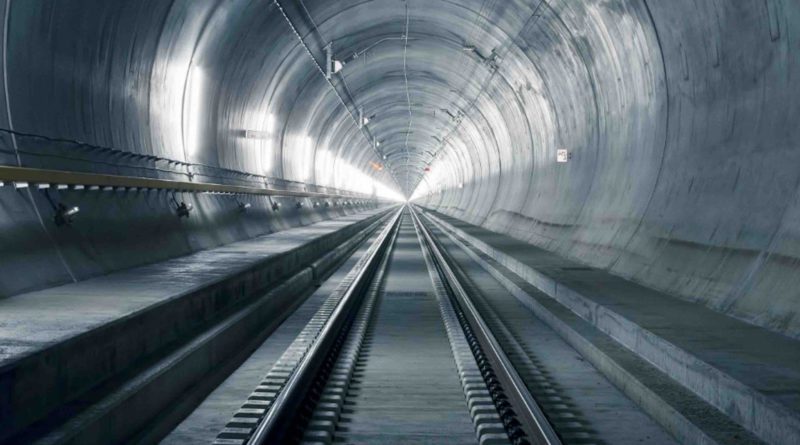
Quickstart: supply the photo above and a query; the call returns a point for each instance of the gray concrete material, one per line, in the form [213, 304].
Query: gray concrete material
[210, 416]
[330, 400]
[748, 372]
[117, 230]
[678, 410]
[679, 115]
[149, 397]
[408, 390]
[679, 118]
[604, 414]
[61, 341]
[274, 401]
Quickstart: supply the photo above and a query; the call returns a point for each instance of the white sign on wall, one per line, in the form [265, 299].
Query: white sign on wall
[562, 155]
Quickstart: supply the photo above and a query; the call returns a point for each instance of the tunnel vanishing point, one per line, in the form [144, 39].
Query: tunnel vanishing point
[243, 222]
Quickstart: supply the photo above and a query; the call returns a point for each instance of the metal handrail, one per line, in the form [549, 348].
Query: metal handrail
[277, 421]
[528, 412]
[26, 175]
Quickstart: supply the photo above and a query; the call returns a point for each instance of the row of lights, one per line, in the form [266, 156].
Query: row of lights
[65, 214]
[183, 209]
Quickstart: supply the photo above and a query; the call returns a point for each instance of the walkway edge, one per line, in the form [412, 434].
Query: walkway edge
[702, 379]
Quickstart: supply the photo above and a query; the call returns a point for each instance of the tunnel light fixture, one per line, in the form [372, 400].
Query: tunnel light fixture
[183, 209]
[243, 206]
[364, 120]
[64, 214]
[461, 185]
[332, 66]
[20, 185]
[276, 206]
[299, 205]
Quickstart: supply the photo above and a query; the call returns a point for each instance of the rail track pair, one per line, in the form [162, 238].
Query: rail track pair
[304, 397]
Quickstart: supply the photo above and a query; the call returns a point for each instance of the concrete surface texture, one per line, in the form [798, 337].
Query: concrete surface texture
[206, 422]
[747, 372]
[408, 391]
[55, 344]
[596, 411]
[653, 142]
[679, 119]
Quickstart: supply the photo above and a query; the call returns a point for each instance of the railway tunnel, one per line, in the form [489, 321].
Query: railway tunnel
[400, 222]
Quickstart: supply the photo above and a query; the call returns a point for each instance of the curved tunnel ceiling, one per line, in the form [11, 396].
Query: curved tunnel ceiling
[679, 117]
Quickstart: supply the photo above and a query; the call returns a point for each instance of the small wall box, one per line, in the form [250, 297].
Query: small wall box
[562, 155]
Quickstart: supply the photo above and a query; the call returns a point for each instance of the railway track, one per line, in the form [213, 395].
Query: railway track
[394, 335]
[398, 353]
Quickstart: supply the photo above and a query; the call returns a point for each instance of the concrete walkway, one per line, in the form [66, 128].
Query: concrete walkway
[749, 373]
[56, 343]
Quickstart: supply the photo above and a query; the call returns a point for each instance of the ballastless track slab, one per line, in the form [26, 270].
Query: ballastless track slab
[421, 357]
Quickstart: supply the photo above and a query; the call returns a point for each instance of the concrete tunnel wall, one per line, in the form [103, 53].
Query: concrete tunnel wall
[99, 86]
[680, 118]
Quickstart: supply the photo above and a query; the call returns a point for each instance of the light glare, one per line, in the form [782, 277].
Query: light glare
[195, 108]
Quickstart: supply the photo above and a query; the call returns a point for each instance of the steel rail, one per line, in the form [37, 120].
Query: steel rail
[530, 415]
[23, 176]
[278, 420]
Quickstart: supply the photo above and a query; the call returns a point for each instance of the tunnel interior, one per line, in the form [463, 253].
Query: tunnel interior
[654, 141]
